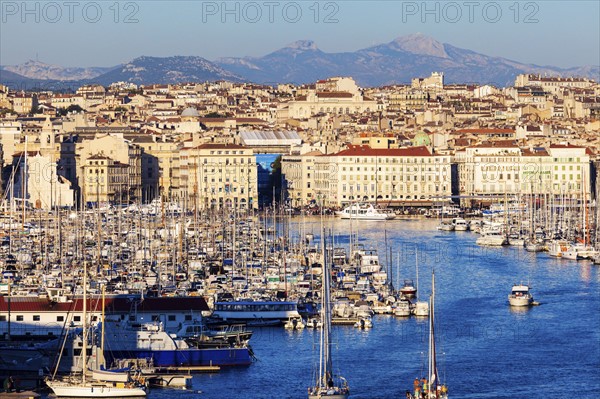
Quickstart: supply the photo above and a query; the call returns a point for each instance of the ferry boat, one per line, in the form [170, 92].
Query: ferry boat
[259, 313]
[365, 211]
[151, 341]
[45, 317]
[520, 296]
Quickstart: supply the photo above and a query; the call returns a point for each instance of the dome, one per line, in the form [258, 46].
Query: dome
[191, 112]
[421, 139]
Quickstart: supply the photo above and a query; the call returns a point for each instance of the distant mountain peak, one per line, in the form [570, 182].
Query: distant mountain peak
[36, 69]
[418, 43]
[303, 45]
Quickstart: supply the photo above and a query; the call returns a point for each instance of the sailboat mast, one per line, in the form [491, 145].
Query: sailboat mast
[432, 376]
[84, 350]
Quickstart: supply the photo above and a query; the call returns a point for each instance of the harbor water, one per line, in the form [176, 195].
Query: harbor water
[486, 349]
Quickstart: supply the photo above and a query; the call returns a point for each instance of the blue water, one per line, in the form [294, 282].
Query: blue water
[485, 349]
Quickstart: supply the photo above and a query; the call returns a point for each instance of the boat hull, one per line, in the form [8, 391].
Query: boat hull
[61, 390]
[325, 395]
[520, 301]
[187, 357]
[492, 241]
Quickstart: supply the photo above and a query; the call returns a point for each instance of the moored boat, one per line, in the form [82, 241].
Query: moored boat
[365, 211]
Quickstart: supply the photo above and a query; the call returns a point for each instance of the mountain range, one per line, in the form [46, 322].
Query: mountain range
[398, 61]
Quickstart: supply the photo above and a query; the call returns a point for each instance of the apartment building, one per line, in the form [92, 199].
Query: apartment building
[217, 176]
[298, 175]
[104, 180]
[488, 171]
[397, 176]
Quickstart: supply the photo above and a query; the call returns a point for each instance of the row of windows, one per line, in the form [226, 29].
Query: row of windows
[219, 152]
[401, 188]
[21, 317]
[396, 160]
[94, 318]
[393, 169]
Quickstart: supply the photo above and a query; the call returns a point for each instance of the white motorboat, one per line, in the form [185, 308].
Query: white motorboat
[314, 323]
[516, 240]
[445, 226]
[364, 322]
[556, 248]
[365, 211]
[408, 289]
[421, 309]
[402, 308]
[460, 224]
[534, 245]
[492, 238]
[520, 296]
[579, 251]
[294, 323]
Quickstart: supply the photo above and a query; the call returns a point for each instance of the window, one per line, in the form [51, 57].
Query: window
[76, 318]
[36, 317]
[188, 317]
[172, 317]
[2, 318]
[20, 317]
[60, 318]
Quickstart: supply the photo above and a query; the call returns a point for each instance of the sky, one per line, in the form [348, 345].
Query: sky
[110, 32]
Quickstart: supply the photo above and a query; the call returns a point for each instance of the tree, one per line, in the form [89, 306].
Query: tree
[214, 115]
[69, 109]
[276, 177]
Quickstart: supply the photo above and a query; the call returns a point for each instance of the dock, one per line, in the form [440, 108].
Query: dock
[19, 395]
[344, 321]
[188, 369]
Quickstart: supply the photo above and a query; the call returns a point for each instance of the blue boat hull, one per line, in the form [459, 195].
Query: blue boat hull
[187, 357]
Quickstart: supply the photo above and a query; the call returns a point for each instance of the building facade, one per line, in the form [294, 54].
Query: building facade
[218, 176]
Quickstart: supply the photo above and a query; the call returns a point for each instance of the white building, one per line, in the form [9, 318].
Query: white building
[490, 171]
[399, 176]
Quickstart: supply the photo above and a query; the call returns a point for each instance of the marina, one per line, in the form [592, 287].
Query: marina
[476, 324]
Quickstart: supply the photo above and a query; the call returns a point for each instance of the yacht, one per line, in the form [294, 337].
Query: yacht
[579, 251]
[556, 248]
[520, 296]
[402, 308]
[492, 238]
[460, 224]
[365, 211]
[534, 245]
[445, 226]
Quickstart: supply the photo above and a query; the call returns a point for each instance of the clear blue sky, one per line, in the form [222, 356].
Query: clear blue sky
[558, 33]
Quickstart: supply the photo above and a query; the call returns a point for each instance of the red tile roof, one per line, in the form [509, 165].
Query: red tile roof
[112, 304]
[365, 151]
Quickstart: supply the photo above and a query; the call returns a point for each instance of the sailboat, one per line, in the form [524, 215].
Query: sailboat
[73, 388]
[431, 387]
[327, 385]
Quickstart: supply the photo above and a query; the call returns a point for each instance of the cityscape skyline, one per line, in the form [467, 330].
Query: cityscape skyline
[562, 35]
